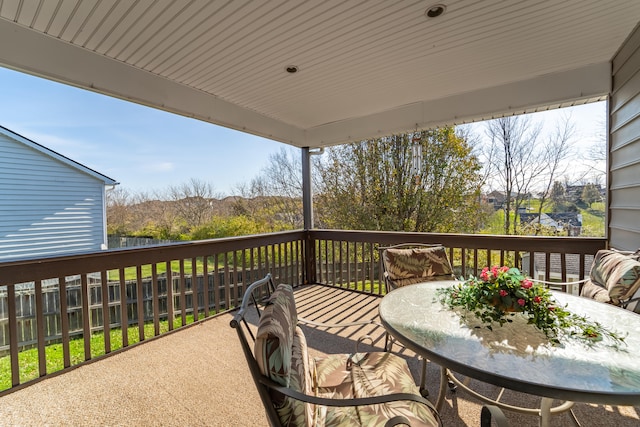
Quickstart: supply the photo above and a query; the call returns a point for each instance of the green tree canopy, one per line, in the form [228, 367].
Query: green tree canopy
[371, 185]
[590, 194]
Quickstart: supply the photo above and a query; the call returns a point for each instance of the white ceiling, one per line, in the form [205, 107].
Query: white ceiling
[366, 68]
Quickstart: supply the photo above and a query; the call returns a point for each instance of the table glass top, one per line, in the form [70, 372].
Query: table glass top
[518, 353]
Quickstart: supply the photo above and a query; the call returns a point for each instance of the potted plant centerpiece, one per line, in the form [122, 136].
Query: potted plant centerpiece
[502, 292]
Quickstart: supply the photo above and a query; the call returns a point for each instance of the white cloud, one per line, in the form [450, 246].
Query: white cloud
[159, 167]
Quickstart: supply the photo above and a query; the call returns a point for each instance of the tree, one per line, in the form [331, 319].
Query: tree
[118, 211]
[590, 194]
[515, 160]
[370, 185]
[193, 202]
[558, 194]
[275, 194]
[557, 150]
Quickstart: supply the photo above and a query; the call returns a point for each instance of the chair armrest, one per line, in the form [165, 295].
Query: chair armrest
[306, 321]
[491, 412]
[577, 282]
[360, 401]
[564, 285]
[387, 339]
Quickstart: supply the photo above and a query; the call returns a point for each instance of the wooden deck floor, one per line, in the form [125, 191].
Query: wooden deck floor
[198, 377]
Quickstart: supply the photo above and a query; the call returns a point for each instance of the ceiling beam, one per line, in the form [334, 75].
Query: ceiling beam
[577, 86]
[44, 56]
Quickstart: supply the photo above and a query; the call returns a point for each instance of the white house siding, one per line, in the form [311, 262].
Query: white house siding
[47, 207]
[624, 157]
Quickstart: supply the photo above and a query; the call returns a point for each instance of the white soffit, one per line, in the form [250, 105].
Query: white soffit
[366, 68]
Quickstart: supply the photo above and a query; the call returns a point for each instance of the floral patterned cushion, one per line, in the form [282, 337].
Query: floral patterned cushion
[274, 339]
[282, 355]
[595, 291]
[293, 412]
[359, 375]
[616, 272]
[409, 266]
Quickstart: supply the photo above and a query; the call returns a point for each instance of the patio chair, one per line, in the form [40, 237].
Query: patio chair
[615, 279]
[373, 389]
[410, 263]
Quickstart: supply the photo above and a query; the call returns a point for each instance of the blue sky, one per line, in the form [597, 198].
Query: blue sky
[146, 149]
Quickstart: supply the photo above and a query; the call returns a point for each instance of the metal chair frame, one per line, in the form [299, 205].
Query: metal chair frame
[389, 286]
[257, 294]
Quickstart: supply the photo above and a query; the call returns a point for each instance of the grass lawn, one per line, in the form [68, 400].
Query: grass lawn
[28, 359]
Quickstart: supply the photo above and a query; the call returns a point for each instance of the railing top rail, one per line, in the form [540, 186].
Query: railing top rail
[44, 268]
[574, 245]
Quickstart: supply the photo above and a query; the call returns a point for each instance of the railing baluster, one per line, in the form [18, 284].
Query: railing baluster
[124, 317]
[205, 284]
[140, 302]
[170, 301]
[64, 321]
[227, 285]
[182, 291]
[216, 283]
[106, 317]
[86, 325]
[13, 335]
[42, 356]
[349, 263]
[155, 295]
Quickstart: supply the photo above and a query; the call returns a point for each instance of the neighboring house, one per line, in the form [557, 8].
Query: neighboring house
[561, 221]
[49, 204]
[496, 198]
[574, 192]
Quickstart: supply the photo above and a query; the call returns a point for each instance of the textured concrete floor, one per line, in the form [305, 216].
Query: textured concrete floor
[198, 377]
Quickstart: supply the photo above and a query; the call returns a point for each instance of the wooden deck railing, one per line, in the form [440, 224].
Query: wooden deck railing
[352, 258]
[101, 292]
[153, 290]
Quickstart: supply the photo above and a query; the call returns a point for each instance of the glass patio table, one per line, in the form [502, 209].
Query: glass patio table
[518, 356]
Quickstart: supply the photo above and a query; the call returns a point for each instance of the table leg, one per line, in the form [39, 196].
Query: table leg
[444, 379]
[545, 411]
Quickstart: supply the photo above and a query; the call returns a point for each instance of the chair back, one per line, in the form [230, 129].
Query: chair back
[410, 263]
[615, 278]
[257, 296]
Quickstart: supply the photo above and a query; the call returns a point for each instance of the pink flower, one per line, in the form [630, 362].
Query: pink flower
[504, 269]
[537, 299]
[503, 293]
[521, 302]
[527, 284]
[494, 271]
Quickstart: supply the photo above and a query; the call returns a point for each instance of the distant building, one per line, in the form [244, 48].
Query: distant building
[574, 192]
[49, 204]
[563, 222]
[497, 199]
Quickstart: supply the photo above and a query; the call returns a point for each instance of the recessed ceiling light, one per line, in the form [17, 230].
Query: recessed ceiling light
[291, 69]
[435, 10]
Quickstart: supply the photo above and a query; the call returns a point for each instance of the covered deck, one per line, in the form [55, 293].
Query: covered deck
[197, 376]
[479, 60]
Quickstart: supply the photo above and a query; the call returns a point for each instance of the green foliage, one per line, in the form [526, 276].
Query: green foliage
[369, 185]
[558, 194]
[227, 227]
[565, 207]
[590, 194]
[500, 292]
